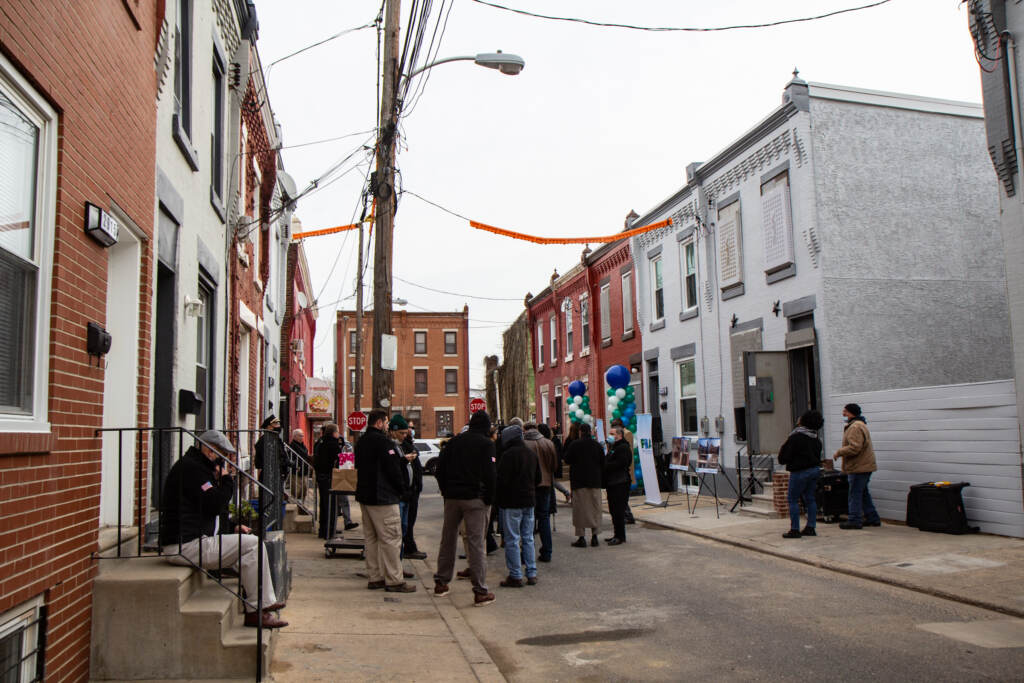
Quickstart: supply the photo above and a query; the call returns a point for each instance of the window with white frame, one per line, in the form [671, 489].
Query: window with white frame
[686, 394]
[21, 644]
[584, 322]
[217, 132]
[540, 345]
[627, 302]
[657, 290]
[606, 313]
[419, 344]
[554, 340]
[688, 266]
[567, 309]
[28, 166]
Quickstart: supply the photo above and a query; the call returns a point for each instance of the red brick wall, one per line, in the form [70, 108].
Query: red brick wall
[104, 90]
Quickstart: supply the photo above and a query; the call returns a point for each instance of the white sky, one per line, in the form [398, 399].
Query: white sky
[601, 121]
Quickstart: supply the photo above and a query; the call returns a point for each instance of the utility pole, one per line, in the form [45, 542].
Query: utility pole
[359, 317]
[384, 188]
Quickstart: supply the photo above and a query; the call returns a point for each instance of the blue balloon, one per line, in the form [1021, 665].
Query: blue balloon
[617, 377]
[629, 411]
[577, 388]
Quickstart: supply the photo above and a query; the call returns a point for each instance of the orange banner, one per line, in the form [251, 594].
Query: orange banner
[570, 240]
[330, 231]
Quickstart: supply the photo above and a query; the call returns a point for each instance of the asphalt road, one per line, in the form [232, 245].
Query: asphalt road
[669, 606]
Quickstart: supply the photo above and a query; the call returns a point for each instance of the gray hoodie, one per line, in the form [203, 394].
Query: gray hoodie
[547, 455]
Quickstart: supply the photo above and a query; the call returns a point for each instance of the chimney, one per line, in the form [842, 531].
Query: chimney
[630, 217]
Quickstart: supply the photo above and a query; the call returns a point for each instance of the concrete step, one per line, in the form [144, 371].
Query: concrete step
[296, 520]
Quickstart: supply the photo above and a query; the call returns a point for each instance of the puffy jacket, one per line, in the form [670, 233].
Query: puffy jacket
[587, 461]
[801, 451]
[518, 476]
[547, 454]
[618, 464]
[193, 498]
[465, 468]
[857, 452]
[379, 463]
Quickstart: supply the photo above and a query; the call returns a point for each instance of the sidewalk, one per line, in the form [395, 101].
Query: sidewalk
[976, 569]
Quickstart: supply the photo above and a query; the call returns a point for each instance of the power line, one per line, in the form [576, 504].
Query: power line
[436, 205]
[441, 291]
[320, 142]
[691, 29]
[321, 42]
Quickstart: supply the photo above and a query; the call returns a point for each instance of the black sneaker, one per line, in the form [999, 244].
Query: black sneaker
[349, 526]
[616, 541]
[850, 525]
[580, 542]
[878, 523]
[808, 531]
[594, 541]
[792, 533]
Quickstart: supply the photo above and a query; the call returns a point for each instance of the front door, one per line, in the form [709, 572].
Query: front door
[769, 399]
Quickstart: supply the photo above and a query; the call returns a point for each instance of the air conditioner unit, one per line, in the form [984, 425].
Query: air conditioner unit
[298, 345]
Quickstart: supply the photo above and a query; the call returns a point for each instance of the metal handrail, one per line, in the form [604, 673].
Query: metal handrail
[300, 478]
[266, 497]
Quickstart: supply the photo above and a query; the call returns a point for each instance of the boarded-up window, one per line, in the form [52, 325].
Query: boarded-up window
[730, 245]
[777, 223]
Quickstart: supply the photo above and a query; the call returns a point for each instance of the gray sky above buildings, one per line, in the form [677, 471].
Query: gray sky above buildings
[600, 122]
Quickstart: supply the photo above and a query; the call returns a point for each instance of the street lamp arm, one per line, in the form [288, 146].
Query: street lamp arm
[507, 64]
[467, 58]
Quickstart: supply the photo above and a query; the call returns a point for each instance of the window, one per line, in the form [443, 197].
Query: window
[688, 256]
[657, 290]
[554, 341]
[567, 309]
[445, 421]
[450, 346]
[419, 342]
[584, 322]
[420, 381]
[352, 381]
[352, 342]
[627, 303]
[686, 389]
[451, 381]
[777, 224]
[21, 643]
[606, 313]
[413, 417]
[28, 164]
[204, 356]
[540, 345]
[181, 126]
[217, 135]
[730, 245]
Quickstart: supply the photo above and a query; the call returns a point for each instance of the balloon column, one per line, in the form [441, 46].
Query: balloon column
[621, 398]
[579, 404]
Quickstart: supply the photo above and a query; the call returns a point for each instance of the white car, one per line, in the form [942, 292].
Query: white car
[429, 450]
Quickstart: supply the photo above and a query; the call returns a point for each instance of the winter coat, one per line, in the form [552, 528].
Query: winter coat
[193, 499]
[325, 457]
[416, 466]
[801, 451]
[300, 449]
[270, 442]
[857, 452]
[379, 464]
[547, 454]
[465, 467]
[518, 476]
[618, 464]
[587, 461]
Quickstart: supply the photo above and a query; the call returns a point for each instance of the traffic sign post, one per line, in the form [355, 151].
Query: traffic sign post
[356, 421]
[476, 405]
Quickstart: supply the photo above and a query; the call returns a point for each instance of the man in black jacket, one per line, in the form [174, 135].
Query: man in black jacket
[465, 475]
[413, 505]
[616, 475]
[517, 482]
[196, 493]
[379, 487]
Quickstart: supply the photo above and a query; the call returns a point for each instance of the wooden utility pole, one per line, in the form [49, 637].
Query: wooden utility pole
[359, 319]
[383, 380]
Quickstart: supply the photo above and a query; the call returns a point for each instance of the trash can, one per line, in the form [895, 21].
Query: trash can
[938, 506]
[832, 495]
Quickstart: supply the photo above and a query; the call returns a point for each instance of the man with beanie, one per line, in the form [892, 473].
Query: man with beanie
[858, 463]
[465, 475]
[379, 488]
[517, 481]
[547, 459]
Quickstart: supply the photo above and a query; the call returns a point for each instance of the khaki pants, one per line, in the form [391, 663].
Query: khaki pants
[228, 551]
[475, 514]
[382, 532]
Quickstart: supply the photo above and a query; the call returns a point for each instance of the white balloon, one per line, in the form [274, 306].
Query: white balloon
[580, 414]
[620, 393]
[577, 400]
[613, 401]
[589, 419]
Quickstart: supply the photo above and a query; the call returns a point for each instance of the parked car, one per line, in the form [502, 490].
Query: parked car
[428, 450]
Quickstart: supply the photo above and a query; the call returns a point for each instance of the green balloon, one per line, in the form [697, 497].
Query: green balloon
[616, 414]
[610, 392]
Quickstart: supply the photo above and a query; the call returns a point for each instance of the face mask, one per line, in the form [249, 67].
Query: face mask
[610, 439]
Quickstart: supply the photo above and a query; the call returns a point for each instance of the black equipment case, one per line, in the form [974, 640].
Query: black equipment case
[939, 507]
[832, 495]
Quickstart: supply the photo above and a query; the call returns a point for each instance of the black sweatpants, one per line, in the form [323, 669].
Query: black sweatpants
[618, 503]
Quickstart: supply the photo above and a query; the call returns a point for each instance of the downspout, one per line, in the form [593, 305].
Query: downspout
[1011, 63]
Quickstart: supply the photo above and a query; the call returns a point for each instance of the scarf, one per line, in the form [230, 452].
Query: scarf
[805, 431]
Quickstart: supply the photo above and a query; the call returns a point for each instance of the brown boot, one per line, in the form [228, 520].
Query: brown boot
[269, 620]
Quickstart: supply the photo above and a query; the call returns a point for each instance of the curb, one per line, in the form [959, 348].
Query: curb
[841, 568]
[475, 653]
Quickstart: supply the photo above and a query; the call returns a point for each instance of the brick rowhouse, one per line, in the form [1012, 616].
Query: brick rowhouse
[433, 357]
[297, 334]
[101, 92]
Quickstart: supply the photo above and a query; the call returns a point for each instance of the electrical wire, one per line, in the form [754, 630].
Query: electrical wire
[425, 78]
[441, 291]
[319, 43]
[690, 29]
[320, 142]
[436, 205]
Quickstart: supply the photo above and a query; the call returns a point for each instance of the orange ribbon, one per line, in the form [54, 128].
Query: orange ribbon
[570, 240]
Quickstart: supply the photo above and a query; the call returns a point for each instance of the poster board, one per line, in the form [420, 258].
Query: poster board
[679, 458]
[652, 494]
[709, 455]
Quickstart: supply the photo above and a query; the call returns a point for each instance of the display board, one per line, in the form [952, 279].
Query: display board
[709, 455]
[679, 458]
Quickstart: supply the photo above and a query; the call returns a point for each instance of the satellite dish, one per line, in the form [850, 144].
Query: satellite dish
[303, 300]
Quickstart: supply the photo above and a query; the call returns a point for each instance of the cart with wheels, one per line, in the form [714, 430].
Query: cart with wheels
[343, 483]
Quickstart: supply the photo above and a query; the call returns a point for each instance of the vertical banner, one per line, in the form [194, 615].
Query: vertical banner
[600, 433]
[650, 472]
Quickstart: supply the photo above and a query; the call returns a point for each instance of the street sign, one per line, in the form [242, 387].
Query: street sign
[476, 405]
[357, 421]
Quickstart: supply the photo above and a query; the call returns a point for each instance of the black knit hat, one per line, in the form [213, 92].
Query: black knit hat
[853, 409]
[480, 420]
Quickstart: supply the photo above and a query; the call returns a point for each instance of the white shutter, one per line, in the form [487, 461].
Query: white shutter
[730, 246]
[777, 228]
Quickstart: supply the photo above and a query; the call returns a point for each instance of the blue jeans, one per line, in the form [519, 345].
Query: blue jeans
[542, 510]
[403, 512]
[517, 523]
[803, 485]
[860, 507]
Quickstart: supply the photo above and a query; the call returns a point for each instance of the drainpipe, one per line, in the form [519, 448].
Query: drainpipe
[1011, 62]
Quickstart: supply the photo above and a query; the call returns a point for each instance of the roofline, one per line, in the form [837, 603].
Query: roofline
[882, 98]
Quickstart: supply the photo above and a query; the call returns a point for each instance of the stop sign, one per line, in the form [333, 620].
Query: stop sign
[476, 405]
[356, 421]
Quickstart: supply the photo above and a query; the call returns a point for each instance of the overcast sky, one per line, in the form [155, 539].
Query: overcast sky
[601, 121]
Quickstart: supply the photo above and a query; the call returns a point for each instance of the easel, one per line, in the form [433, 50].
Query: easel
[686, 487]
[702, 473]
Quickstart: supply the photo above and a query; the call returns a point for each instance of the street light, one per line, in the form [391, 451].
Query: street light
[508, 64]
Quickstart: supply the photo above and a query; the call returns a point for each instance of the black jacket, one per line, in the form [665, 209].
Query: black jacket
[518, 476]
[270, 443]
[465, 468]
[300, 449]
[618, 464]
[587, 461]
[325, 457]
[193, 498]
[379, 463]
[417, 467]
[800, 452]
